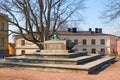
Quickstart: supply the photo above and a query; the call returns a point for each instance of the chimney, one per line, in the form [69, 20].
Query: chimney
[90, 29]
[100, 30]
[74, 30]
[96, 30]
[69, 29]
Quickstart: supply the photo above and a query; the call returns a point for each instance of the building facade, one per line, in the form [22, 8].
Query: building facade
[93, 42]
[3, 34]
[23, 46]
[90, 41]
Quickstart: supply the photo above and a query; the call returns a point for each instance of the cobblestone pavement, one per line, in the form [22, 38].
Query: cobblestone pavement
[110, 73]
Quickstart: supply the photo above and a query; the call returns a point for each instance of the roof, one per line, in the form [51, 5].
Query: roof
[3, 15]
[78, 33]
[83, 33]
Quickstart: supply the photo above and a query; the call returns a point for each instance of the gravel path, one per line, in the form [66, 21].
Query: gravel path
[111, 73]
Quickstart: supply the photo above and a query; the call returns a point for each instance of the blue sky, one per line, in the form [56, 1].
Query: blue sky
[92, 13]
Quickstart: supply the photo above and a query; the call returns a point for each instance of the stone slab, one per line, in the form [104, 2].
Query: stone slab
[57, 55]
[69, 61]
[54, 51]
[55, 45]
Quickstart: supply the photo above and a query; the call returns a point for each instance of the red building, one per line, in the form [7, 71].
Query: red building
[118, 47]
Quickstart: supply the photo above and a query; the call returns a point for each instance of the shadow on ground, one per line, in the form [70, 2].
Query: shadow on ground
[102, 68]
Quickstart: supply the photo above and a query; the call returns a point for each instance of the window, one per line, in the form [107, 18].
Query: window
[22, 52]
[93, 42]
[102, 41]
[76, 41]
[84, 42]
[37, 50]
[84, 49]
[1, 51]
[2, 42]
[22, 42]
[113, 50]
[2, 27]
[93, 51]
[102, 50]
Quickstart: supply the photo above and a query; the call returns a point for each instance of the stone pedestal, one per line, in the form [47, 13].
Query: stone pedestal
[55, 46]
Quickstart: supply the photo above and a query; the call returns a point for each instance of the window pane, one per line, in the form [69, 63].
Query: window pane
[93, 41]
[93, 51]
[84, 49]
[22, 42]
[2, 26]
[2, 42]
[102, 41]
[102, 50]
[76, 41]
[22, 52]
[84, 42]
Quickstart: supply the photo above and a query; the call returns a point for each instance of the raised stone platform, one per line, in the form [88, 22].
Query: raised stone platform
[86, 68]
[70, 61]
[77, 62]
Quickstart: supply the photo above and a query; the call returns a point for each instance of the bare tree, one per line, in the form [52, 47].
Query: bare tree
[111, 11]
[36, 16]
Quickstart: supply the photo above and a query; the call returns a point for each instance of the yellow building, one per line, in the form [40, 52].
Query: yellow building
[11, 48]
[90, 41]
[3, 34]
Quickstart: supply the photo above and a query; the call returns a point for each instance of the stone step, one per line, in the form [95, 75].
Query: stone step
[88, 68]
[57, 55]
[73, 61]
[94, 65]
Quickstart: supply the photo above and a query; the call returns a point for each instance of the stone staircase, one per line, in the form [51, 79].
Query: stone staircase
[78, 61]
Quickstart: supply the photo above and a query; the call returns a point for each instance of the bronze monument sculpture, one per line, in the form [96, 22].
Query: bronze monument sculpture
[70, 44]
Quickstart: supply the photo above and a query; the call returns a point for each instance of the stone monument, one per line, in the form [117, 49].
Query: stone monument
[56, 45]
